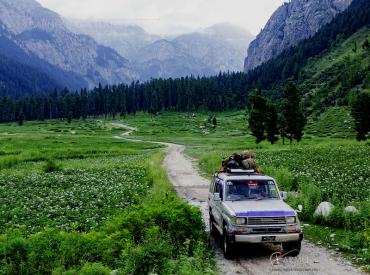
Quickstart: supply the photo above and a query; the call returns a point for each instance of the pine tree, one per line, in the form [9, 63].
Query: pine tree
[69, 117]
[282, 126]
[257, 116]
[361, 114]
[272, 123]
[292, 113]
[21, 118]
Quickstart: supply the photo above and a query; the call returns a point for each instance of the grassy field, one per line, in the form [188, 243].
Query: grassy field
[75, 200]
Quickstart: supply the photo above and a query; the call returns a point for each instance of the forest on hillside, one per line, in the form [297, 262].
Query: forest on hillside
[226, 91]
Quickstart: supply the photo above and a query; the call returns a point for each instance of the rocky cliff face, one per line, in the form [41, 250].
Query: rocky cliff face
[291, 23]
[42, 32]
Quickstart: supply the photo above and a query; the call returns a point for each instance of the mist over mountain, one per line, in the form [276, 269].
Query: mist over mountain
[291, 23]
[221, 47]
[125, 39]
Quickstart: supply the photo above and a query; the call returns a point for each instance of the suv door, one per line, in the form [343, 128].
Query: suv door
[217, 200]
[211, 192]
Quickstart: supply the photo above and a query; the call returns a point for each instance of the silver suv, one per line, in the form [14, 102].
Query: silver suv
[247, 207]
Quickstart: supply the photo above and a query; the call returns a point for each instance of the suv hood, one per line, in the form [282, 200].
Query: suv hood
[258, 208]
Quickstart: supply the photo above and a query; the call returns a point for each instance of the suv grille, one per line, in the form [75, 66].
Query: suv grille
[266, 221]
[267, 230]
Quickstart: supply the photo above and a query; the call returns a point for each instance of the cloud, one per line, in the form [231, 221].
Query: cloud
[170, 16]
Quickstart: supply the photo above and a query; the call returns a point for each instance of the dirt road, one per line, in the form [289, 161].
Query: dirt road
[252, 260]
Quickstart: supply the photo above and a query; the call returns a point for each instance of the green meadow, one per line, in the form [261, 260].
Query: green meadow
[75, 198]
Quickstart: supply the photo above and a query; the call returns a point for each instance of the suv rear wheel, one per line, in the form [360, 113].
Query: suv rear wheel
[292, 248]
[227, 245]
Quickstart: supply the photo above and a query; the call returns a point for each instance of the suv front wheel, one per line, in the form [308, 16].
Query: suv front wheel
[292, 248]
[227, 245]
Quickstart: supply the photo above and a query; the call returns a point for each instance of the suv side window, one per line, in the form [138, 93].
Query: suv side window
[217, 188]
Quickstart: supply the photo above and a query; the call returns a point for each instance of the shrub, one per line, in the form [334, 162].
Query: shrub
[94, 269]
[150, 256]
[87, 269]
[14, 254]
[310, 197]
[51, 166]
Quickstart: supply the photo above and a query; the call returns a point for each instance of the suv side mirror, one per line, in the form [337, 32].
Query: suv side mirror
[217, 197]
[284, 195]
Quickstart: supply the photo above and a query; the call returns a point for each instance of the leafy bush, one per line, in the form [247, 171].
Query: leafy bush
[309, 197]
[51, 166]
[87, 269]
[150, 256]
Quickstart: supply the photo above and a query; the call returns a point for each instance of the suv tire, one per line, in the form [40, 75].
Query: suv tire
[227, 245]
[212, 229]
[292, 248]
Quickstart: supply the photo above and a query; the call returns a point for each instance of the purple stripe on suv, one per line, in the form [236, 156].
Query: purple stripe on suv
[265, 213]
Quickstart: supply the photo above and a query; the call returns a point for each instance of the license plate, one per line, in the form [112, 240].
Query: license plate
[268, 238]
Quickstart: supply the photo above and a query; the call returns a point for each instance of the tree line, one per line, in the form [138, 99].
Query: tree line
[267, 120]
[188, 94]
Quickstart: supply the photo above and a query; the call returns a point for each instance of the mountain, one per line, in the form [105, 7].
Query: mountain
[221, 47]
[291, 23]
[125, 39]
[28, 73]
[41, 34]
[17, 79]
[336, 75]
[329, 68]
[165, 59]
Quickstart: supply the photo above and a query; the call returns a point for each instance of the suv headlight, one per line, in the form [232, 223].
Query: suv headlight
[238, 221]
[291, 220]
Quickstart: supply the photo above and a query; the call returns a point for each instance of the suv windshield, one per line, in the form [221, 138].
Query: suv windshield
[250, 190]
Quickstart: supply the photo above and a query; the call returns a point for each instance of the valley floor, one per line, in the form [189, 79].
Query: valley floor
[73, 184]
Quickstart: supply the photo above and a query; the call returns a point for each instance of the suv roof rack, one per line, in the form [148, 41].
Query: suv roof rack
[240, 171]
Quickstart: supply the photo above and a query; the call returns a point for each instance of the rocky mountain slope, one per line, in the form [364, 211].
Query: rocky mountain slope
[291, 23]
[41, 33]
[221, 47]
[125, 39]
[23, 71]
[165, 58]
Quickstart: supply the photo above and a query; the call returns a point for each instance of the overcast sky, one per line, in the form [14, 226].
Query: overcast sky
[170, 16]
